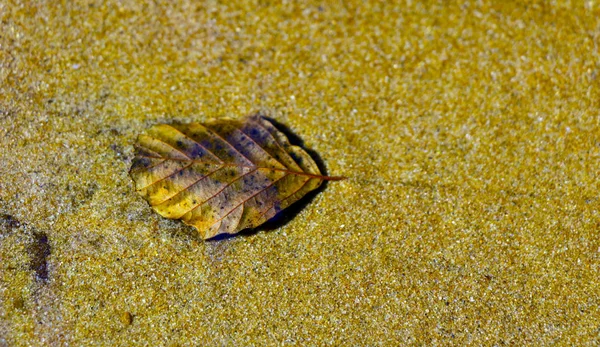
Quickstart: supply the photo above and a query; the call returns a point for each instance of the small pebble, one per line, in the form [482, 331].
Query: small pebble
[19, 303]
[126, 318]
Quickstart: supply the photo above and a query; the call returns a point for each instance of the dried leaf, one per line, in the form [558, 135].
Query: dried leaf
[222, 176]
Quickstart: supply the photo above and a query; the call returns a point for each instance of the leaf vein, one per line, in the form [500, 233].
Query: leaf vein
[227, 142]
[147, 167]
[189, 186]
[277, 142]
[169, 175]
[287, 197]
[168, 144]
[246, 200]
[259, 146]
[220, 191]
[196, 142]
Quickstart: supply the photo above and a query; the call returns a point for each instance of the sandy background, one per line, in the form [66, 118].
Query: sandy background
[470, 133]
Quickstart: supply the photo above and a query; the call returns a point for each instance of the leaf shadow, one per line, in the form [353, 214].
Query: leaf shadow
[286, 215]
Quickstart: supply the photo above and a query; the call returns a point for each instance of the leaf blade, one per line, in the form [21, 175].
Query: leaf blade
[224, 175]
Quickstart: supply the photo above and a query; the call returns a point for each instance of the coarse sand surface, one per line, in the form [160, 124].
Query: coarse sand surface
[469, 132]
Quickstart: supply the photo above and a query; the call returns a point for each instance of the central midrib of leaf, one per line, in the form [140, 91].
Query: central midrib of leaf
[224, 164]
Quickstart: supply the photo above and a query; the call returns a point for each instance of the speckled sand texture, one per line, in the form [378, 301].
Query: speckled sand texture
[470, 133]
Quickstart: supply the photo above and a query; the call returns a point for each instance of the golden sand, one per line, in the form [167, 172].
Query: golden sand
[470, 133]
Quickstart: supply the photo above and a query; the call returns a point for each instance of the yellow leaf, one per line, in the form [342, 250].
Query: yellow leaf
[222, 176]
